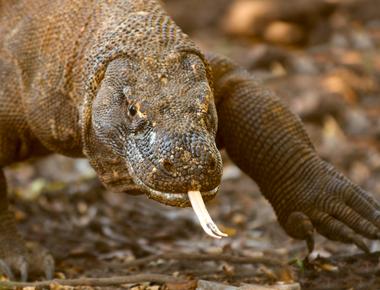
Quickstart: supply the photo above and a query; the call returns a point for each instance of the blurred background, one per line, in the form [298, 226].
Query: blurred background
[323, 58]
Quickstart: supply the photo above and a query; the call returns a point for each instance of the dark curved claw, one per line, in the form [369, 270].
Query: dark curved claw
[358, 241]
[310, 243]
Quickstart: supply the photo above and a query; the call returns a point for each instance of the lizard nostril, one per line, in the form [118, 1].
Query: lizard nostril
[212, 163]
[168, 165]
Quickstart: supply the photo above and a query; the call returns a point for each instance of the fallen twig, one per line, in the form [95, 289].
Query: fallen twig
[96, 282]
[206, 257]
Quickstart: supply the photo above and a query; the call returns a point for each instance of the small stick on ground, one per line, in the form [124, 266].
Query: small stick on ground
[206, 257]
[96, 282]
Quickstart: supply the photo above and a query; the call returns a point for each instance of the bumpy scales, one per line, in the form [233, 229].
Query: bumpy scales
[119, 83]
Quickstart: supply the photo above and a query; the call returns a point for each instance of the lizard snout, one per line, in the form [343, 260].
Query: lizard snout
[189, 161]
[208, 163]
[179, 161]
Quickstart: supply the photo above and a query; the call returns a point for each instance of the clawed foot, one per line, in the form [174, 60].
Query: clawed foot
[337, 209]
[22, 261]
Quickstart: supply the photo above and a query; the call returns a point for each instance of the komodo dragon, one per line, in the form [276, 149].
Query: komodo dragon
[118, 82]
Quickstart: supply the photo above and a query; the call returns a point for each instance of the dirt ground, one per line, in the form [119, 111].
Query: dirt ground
[323, 58]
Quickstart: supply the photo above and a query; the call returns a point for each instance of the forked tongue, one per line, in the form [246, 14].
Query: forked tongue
[203, 216]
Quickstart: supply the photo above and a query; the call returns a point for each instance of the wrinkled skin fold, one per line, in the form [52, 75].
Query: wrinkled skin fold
[119, 83]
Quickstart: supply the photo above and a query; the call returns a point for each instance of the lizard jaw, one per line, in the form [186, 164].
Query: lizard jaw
[180, 199]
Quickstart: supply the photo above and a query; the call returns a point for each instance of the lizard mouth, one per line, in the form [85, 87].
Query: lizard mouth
[180, 199]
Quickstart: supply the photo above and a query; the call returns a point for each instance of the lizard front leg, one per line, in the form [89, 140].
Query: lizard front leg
[268, 142]
[14, 255]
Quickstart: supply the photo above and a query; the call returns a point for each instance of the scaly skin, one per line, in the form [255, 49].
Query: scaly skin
[119, 83]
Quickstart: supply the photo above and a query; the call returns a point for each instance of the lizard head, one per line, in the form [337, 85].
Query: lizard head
[158, 115]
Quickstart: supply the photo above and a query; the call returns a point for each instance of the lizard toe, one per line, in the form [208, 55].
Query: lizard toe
[26, 261]
[299, 226]
[40, 260]
[49, 266]
[365, 205]
[363, 225]
[6, 270]
[23, 268]
[11, 265]
[365, 196]
[336, 230]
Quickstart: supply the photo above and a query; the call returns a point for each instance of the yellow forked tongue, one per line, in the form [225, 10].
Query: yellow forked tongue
[203, 216]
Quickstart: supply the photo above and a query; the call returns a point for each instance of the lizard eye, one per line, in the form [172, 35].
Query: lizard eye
[132, 110]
